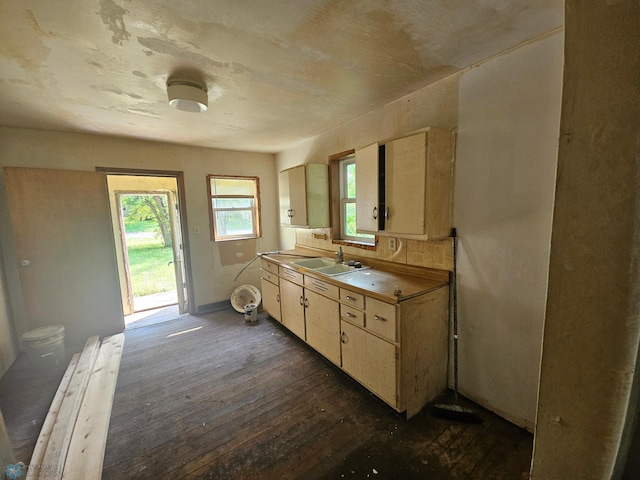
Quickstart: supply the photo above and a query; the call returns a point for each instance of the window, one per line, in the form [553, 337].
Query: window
[233, 207]
[347, 172]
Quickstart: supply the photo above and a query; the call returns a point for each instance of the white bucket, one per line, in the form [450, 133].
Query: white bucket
[251, 313]
[45, 347]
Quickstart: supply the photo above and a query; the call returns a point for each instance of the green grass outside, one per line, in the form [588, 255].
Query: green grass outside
[149, 262]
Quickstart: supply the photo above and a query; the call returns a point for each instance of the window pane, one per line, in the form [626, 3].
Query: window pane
[350, 219]
[234, 223]
[232, 202]
[351, 180]
[232, 186]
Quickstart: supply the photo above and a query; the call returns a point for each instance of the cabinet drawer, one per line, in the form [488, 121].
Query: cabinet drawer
[270, 276]
[351, 314]
[352, 299]
[269, 266]
[291, 275]
[321, 286]
[381, 318]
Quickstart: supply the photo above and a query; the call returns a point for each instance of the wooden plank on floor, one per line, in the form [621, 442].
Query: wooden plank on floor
[56, 451]
[37, 458]
[86, 450]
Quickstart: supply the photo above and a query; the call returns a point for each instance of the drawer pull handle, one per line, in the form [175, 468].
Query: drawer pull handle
[380, 319]
[301, 300]
[306, 303]
[349, 297]
[343, 338]
[278, 298]
[350, 315]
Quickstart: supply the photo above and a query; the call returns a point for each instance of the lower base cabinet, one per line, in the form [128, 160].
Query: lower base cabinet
[370, 360]
[292, 303]
[399, 351]
[271, 298]
[323, 325]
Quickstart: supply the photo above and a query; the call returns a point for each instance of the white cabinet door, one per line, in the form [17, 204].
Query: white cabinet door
[293, 197]
[271, 298]
[370, 360]
[405, 185]
[367, 200]
[323, 325]
[419, 184]
[298, 196]
[285, 203]
[292, 304]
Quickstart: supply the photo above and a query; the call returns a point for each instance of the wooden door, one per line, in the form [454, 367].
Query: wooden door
[63, 242]
[405, 185]
[298, 196]
[285, 202]
[367, 214]
[292, 304]
[371, 361]
[323, 325]
[271, 298]
[178, 253]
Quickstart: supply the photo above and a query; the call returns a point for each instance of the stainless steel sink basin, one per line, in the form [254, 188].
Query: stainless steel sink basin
[327, 266]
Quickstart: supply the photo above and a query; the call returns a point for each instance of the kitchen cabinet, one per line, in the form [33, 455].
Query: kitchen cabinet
[398, 351]
[309, 311]
[270, 285]
[419, 184]
[304, 196]
[407, 188]
[292, 302]
[396, 346]
[322, 317]
[368, 202]
[370, 360]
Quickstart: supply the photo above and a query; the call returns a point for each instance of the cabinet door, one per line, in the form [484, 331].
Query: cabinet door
[371, 361]
[405, 185]
[323, 325]
[298, 196]
[271, 298]
[292, 304]
[367, 200]
[285, 204]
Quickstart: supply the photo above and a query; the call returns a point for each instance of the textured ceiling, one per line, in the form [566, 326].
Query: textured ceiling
[277, 71]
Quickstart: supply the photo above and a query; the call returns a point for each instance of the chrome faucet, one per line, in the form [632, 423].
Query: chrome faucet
[339, 256]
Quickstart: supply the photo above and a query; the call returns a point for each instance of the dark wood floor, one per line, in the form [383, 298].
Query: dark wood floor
[214, 397]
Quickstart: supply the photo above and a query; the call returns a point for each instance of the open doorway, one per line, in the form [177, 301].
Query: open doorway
[147, 239]
[149, 247]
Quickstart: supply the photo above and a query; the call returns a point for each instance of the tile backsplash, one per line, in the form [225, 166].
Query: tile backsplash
[421, 253]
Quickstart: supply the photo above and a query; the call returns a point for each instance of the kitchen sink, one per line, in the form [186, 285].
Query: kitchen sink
[327, 266]
[314, 263]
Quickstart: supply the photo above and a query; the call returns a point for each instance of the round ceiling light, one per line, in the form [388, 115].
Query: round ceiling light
[187, 96]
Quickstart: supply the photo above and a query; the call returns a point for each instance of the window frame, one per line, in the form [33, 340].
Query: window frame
[338, 165]
[255, 209]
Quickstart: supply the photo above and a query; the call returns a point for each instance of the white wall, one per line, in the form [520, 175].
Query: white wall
[509, 114]
[212, 275]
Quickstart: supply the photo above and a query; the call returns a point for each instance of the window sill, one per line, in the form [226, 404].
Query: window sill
[353, 243]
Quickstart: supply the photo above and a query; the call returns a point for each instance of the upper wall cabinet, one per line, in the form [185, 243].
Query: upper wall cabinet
[304, 196]
[417, 174]
[369, 167]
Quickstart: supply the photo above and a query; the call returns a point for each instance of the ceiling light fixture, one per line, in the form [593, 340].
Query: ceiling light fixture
[187, 96]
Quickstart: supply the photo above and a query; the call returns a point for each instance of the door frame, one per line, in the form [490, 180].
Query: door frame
[184, 228]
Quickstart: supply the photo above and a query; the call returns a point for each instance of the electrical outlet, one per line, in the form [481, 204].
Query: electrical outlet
[393, 244]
